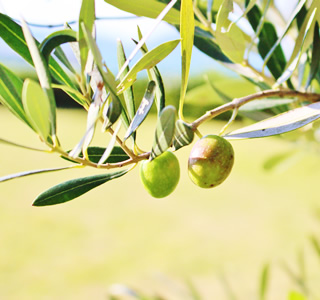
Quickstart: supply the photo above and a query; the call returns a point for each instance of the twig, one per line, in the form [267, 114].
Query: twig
[238, 102]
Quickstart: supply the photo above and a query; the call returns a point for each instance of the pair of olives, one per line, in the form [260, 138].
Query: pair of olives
[210, 163]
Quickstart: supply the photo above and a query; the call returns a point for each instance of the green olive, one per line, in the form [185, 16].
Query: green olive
[161, 175]
[210, 161]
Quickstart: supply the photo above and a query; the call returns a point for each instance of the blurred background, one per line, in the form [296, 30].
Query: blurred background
[219, 240]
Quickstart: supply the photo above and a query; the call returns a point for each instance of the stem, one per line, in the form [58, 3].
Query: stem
[238, 102]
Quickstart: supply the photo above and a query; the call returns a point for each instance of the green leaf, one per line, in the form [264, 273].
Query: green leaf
[143, 109]
[10, 93]
[37, 107]
[12, 34]
[44, 79]
[315, 60]
[128, 93]
[74, 188]
[112, 113]
[264, 281]
[6, 142]
[59, 53]
[149, 60]
[86, 17]
[183, 136]
[187, 37]
[293, 63]
[33, 172]
[107, 77]
[154, 74]
[95, 153]
[205, 43]
[267, 38]
[111, 144]
[289, 23]
[265, 104]
[56, 39]
[296, 296]
[279, 124]
[316, 245]
[150, 9]
[165, 131]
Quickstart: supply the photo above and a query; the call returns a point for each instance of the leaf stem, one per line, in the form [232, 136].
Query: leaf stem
[238, 102]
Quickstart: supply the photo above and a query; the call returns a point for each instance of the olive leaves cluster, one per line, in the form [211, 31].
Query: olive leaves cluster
[284, 84]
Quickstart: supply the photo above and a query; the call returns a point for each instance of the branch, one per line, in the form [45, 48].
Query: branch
[238, 102]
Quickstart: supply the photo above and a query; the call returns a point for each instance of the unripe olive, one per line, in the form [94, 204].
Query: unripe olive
[161, 175]
[210, 161]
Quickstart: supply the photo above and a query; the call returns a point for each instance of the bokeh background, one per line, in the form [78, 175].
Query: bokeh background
[219, 240]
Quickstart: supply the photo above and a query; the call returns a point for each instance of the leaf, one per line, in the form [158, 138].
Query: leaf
[267, 38]
[143, 109]
[74, 188]
[316, 245]
[164, 131]
[112, 113]
[56, 39]
[154, 74]
[86, 17]
[264, 281]
[292, 64]
[10, 93]
[37, 107]
[289, 23]
[59, 53]
[281, 161]
[150, 9]
[6, 142]
[205, 43]
[33, 172]
[95, 153]
[295, 296]
[44, 79]
[184, 135]
[128, 93]
[187, 37]
[281, 123]
[12, 34]
[315, 60]
[265, 104]
[147, 61]
[110, 147]
[107, 77]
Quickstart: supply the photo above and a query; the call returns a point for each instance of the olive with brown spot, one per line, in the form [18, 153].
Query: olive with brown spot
[210, 161]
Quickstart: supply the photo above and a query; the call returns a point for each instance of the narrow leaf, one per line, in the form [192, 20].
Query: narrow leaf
[94, 155]
[127, 94]
[316, 245]
[37, 107]
[44, 77]
[74, 188]
[56, 39]
[110, 147]
[10, 93]
[3, 141]
[86, 17]
[264, 281]
[187, 37]
[184, 135]
[154, 74]
[150, 9]
[147, 61]
[143, 109]
[111, 113]
[281, 123]
[164, 131]
[59, 53]
[315, 60]
[33, 172]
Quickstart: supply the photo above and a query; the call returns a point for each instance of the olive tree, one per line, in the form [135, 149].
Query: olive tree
[286, 97]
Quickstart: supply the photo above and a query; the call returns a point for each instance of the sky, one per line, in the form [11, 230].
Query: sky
[53, 12]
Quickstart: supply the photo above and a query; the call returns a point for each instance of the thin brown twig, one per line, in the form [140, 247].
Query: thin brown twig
[238, 102]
